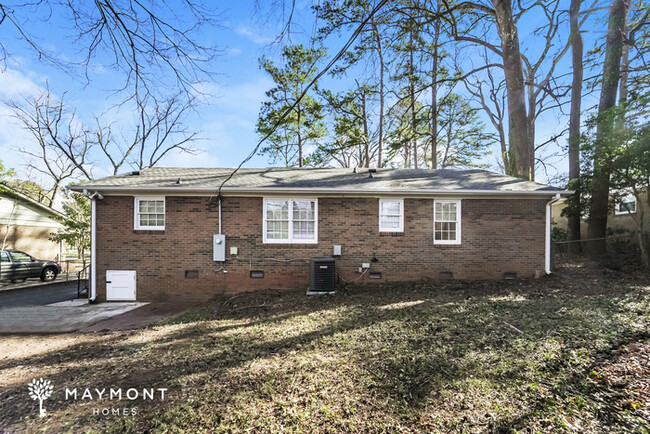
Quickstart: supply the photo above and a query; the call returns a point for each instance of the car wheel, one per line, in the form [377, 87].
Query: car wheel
[48, 275]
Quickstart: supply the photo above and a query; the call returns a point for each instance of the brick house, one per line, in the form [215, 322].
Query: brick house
[154, 230]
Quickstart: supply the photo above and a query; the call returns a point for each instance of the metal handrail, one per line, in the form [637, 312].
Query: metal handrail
[79, 273]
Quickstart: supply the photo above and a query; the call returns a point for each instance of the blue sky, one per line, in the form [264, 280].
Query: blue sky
[226, 124]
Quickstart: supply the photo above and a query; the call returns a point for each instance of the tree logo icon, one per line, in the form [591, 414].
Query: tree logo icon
[40, 389]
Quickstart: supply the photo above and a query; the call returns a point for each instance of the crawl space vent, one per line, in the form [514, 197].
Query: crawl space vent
[446, 275]
[374, 275]
[510, 275]
[257, 274]
[191, 274]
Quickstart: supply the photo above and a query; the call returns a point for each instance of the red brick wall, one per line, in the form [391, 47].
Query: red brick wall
[498, 236]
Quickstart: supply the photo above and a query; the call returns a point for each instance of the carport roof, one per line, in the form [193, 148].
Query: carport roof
[175, 181]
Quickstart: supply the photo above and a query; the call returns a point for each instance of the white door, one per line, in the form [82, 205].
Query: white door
[120, 285]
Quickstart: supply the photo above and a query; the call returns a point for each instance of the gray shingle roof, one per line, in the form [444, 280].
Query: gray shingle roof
[321, 180]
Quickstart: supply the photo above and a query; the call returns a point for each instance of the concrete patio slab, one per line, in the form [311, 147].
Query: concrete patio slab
[143, 316]
[59, 318]
[75, 302]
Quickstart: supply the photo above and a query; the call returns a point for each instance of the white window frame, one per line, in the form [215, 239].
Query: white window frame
[290, 240]
[401, 215]
[617, 209]
[458, 221]
[136, 213]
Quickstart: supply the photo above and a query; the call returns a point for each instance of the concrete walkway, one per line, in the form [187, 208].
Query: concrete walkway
[149, 313]
[68, 316]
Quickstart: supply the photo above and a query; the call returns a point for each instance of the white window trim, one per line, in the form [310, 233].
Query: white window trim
[136, 214]
[290, 240]
[617, 211]
[401, 216]
[459, 219]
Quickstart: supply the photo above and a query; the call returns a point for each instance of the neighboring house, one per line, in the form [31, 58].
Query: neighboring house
[26, 225]
[557, 219]
[154, 229]
[621, 219]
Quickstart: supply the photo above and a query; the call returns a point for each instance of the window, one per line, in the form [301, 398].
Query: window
[446, 222]
[21, 257]
[150, 213]
[4, 257]
[290, 221]
[626, 205]
[391, 215]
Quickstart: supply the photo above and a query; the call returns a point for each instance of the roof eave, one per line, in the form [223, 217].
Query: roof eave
[174, 191]
[33, 202]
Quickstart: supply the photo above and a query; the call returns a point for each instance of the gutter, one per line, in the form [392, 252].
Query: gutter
[547, 250]
[108, 189]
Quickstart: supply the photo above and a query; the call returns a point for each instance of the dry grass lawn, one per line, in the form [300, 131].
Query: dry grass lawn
[568, 352]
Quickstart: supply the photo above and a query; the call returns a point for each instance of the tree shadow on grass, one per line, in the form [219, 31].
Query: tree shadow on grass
[420, 342]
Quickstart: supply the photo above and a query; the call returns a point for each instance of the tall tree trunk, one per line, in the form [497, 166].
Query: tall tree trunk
[625, 73]
[414, 125]
[520, 148]
[380, 55]
[644, 239]
[504, 147]
[366, 147]
[434, 93]
[531, 122]
[574, 126]
[597, 229]
[299, 140]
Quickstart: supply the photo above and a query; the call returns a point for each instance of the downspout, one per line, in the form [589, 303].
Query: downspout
[547, 254]
[93, 248]
[93, 244]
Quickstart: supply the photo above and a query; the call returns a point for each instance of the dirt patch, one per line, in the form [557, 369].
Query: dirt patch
[624, 382]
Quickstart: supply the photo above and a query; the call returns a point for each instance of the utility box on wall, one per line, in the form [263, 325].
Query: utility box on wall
[218, 247]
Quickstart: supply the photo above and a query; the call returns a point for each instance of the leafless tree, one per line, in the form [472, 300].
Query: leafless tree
[488, 91]
[154, 44]
[67, 149]
[531, 83]
[62, 143]
[158, 131]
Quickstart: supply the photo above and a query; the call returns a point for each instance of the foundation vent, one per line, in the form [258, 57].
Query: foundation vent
[191, 274]
[446, 275]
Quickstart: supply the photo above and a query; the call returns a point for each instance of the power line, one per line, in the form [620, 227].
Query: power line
[332, 62]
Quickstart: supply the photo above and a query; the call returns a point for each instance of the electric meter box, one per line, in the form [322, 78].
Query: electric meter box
[218, 247]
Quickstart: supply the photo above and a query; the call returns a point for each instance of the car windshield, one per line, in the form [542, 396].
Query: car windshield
[20, 257]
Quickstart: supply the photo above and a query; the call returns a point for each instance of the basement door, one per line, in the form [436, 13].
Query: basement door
[120, 285]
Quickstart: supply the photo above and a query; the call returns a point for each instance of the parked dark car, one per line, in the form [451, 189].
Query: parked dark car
[16, 265]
